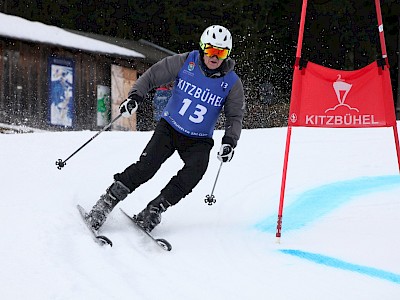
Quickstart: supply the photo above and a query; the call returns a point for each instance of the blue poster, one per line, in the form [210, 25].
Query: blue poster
[160, 100]
[61, 92]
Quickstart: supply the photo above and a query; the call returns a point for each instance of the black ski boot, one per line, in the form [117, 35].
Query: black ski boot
[150, 217]
[114, 194]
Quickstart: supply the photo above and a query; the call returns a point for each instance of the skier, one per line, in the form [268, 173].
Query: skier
[205, 82]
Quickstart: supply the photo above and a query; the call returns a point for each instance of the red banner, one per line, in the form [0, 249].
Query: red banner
[324, 97]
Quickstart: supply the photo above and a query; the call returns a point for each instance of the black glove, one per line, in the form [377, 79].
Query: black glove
[129, 106]
[226, 152]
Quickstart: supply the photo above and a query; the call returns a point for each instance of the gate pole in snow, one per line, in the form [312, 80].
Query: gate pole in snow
[396, 136]
[289, 131]
[381, 33]
[301, 32]
[398, 71]
[385, 57]
[283, 185]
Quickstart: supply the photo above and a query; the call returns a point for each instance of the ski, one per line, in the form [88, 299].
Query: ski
[99, 239]
[164, 244]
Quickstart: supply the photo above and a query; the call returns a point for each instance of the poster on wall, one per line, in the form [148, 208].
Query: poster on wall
[160, 100]
[61, 92]
[122, 80]
[103, 105]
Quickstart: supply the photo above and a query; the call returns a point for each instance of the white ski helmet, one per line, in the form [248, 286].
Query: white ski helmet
[217, 36]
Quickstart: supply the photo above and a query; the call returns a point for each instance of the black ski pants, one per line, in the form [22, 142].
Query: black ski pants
[195, 153]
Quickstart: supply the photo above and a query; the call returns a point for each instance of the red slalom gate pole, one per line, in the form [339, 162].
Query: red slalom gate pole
[385, 57]
[283, 186]
[381, 33]
[301, 32]
[289, 132]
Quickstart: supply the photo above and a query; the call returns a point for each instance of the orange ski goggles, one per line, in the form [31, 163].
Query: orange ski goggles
[211, 51]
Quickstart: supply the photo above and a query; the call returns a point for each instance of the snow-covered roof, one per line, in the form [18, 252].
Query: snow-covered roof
[19, 28]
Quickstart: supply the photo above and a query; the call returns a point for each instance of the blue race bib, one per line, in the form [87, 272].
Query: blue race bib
[197, 100]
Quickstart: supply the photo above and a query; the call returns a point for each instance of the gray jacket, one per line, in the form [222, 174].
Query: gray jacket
[167, 69]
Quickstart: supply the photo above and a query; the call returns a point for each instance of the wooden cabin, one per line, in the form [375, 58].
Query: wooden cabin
[55, 79]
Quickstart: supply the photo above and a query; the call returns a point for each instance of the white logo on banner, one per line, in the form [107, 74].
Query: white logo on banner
[342, 89]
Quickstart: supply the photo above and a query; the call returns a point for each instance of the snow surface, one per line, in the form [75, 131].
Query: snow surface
[16, 27]
[340, 235]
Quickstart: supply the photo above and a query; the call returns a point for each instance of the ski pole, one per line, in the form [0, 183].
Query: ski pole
[210, 199]
[60, 163]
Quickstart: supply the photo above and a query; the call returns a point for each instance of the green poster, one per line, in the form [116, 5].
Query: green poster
[103, 105]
